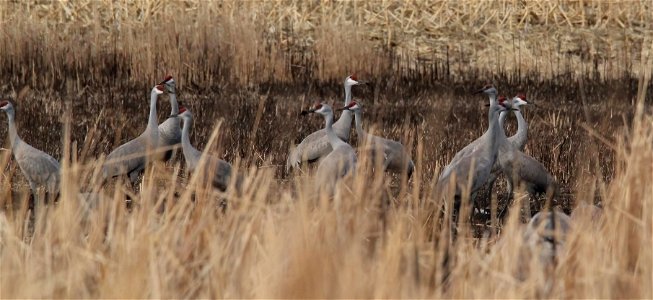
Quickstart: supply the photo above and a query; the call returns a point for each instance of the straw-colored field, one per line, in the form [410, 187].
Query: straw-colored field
[80, 73]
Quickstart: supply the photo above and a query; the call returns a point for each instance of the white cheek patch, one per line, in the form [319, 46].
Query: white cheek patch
[351, 81]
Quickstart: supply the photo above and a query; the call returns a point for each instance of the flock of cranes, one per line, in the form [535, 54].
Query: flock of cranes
[477, 164]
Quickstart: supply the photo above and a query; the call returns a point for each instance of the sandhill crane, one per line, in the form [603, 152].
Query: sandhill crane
[547, 232]
[316, 145]
[544, 241]
[491, 92]
[520, 167]
[40, 169]
[215, 170]
[477, 163]
[395, 157]
[170, 129]
[520, 138]
[130, 158]
[339, 162]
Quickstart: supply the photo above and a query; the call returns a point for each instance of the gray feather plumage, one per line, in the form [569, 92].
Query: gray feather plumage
[170, 129]
[316, 145]
[130, 158]
[215, 171]
[39, 168]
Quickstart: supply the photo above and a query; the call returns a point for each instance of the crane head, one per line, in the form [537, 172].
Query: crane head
[183, 112]
[352, 106]
[519, 100]
[319, 108]
[168, 79]
[169, 83]
[6, 105]
[487, 89]
[158, 89]
[352, 80]
[503, 104]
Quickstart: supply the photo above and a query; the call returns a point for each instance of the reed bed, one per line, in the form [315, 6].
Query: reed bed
[80, 72]
[209, 42]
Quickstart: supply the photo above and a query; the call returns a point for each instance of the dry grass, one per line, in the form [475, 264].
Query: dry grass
[586, 64]
[209, 42]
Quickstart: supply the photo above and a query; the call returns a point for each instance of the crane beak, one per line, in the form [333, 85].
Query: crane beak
[478, 92]
[362, 83]
[306, 112]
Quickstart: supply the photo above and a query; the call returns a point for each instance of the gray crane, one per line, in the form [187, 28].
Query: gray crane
[339, 162]
[520, 138]
[40, 169]
[395, 157]
[478, 162]
[316, 145]
[546, 234]
[170, 129]
[521, 168]
[215, 171]
[130, 158]
[491, 92]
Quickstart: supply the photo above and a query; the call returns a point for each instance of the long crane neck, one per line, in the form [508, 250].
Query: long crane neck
[493, 98]
[359, 125]
[190, 152]
[152, 121]
[174, 104]
[502, 119]
[14, 139]
[346, 116]
[495, 133]
[334, 140]
[522, 126]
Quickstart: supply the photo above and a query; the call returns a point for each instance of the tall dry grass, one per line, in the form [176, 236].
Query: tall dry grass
[209, 42]
[80, 71]
[283, 242]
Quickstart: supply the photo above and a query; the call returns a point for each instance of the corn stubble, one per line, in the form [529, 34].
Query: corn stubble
[80, 71]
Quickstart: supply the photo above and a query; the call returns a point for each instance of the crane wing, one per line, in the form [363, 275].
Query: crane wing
[313, 147]
[126, 158]
[39, 167]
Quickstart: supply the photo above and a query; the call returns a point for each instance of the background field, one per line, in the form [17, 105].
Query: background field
[253, 66]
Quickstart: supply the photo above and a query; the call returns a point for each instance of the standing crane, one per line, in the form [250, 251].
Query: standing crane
[491, 92]
[339, 162]
[520, 167]
[395, 157]
[170, 129]
[214, 170]
[130, 158]
[40, 169]
[478, 162]
[316, 145]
